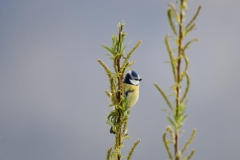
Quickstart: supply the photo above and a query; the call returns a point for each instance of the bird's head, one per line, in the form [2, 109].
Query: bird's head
[132, 78]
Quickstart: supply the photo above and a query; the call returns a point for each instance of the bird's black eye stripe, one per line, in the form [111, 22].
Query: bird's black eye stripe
[138, 79]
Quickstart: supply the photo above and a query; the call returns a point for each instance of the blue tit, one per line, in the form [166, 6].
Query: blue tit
[130, 89]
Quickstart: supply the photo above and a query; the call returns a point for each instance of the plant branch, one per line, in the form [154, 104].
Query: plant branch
[133, 149]
[118, 118]
[178, 90]
[119, 87]
[179, 73]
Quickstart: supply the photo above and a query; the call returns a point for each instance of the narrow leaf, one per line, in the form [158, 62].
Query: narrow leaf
[171, 121]
[106, 47]
[194, 17]
[169, 12]
[172, 58]
[164, 96]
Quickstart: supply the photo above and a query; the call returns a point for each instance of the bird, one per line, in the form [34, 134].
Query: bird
[130, 89]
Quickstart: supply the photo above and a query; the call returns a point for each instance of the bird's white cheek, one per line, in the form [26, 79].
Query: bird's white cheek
[134, 82]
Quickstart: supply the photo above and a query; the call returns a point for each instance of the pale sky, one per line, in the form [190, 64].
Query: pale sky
[52, 100]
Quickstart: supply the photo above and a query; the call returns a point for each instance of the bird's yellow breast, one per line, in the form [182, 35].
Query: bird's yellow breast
[132, 94]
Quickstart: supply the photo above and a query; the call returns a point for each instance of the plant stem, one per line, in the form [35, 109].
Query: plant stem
[180, 40]
[119, 89]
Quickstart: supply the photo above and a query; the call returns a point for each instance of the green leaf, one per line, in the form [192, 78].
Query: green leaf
[112, 117]
[194, 17]
[126, 137]
[184, 118]
[109, 122]
[106, 47]
[170, 13]
[171, 121]
[164, 95]
[121, 146]
[114, 40]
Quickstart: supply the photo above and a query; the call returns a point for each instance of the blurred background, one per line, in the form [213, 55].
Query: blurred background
[52, 100]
